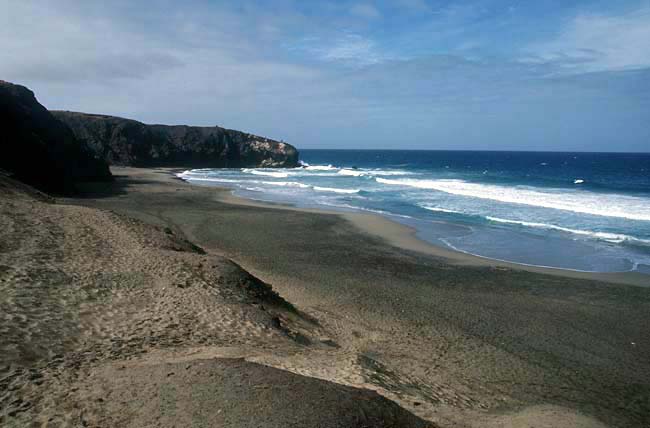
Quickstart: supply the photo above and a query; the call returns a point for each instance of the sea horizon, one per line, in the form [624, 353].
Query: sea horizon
[470, 150]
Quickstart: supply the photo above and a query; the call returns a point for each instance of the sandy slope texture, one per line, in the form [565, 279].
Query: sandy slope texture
[106, 321]
[461, 345]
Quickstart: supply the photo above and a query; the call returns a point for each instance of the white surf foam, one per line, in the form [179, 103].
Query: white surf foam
[335, 190]
[356, 208]
[215, 179]
[307, 186]
[286, 184]
[352, 172]
[605, 236]
[438, 209]
[320, 168]
[265, 173]
[371, 172]
[197, 171]
[389, 172]
[606, 205]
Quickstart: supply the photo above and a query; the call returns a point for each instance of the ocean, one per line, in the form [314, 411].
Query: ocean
[579, 211]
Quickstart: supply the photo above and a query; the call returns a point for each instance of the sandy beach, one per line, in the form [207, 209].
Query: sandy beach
[402, 236]
[324, 214]
[454, 340]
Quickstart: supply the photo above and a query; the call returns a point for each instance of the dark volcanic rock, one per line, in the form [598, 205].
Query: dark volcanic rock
[40, 150]
[128, 142]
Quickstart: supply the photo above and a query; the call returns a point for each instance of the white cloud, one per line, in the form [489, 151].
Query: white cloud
[599, 43]
[352, 48]
[38, 42]
[345, 49]
[252, 68]
[174, 66]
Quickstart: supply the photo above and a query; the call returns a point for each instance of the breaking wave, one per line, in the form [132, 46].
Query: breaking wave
[616, 238]
[335, 190]
[440, 210]
[265, 173]
[606, 205]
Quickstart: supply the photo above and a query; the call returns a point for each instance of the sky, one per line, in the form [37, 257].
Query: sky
[560, 75]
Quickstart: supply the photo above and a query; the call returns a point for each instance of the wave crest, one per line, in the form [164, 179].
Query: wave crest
[352, 172]
[286, 184]
[335, 190]
[265, 173]
[440, 210]
[605, 205]
[320, 167]
[616, 238]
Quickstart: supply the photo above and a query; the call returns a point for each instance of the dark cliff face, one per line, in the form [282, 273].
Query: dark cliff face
[39, 149]
[128, 142]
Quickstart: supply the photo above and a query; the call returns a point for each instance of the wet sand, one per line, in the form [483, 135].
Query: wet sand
[458, 340]
[404, 237]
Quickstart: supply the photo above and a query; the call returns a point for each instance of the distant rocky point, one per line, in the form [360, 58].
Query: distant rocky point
[40, 150]
[53, 151]
[128, 142]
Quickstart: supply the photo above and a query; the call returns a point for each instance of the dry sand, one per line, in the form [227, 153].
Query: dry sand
[110, 317]
[108, 322]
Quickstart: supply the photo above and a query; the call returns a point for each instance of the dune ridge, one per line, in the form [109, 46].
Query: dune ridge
[112, 322]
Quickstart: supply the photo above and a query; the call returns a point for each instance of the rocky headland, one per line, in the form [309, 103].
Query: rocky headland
[55, 150]
[39, 149]
[128, 142]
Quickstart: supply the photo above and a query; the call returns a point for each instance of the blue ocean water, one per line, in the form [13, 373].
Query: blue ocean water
[582, 211]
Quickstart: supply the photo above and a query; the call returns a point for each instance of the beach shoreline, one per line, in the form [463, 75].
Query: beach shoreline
[405, 237]
[455, 339]
[476, 203]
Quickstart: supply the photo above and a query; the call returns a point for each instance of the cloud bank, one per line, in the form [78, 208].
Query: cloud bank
[405, 74]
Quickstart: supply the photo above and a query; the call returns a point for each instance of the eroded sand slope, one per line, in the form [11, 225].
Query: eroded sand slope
[106, 321]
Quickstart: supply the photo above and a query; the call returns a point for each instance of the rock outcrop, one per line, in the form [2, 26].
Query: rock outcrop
[39, 149]
[128, 142]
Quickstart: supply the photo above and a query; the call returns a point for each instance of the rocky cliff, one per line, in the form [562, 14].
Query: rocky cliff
[40, 150]
[128, 142]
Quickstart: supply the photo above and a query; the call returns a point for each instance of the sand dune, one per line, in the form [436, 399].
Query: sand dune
[97, 307]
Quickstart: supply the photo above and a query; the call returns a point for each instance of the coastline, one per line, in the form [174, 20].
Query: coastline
[405, 237]
[455, 339]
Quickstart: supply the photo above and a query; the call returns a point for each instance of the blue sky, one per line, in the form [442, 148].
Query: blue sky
[403, 74]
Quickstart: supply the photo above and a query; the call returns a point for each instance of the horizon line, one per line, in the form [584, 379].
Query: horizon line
[476, 150]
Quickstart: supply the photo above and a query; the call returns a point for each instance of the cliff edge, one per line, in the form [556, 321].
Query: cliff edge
[40, 150]
[128, 142]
